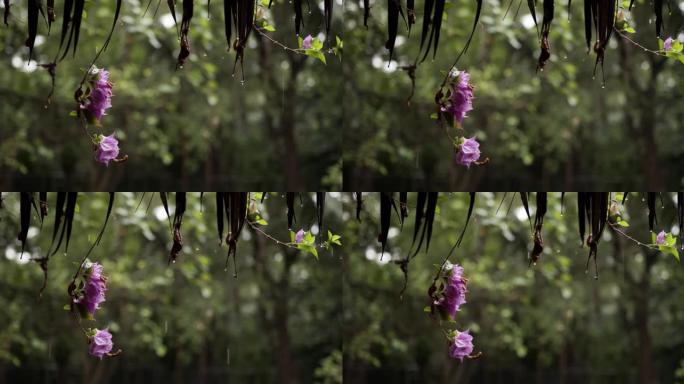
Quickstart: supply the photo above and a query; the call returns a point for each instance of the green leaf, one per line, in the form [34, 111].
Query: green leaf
[316, 54]
[269, 27]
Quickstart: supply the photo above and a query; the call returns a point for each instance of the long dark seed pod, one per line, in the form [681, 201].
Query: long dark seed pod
[658, 10]
[79, 7]
[598, 219]
[219, 215]
[298, 15]
[403, 208]
[172, 9]
[385, 215]
[587, 22]
[430, 216]
[227, 7]
[25, 222]
[526, 205]
[581, 209]
[181, 204]
[531, 5]
[427, 16]
[651, 201]
[471, 205]
[238, 214]
[538, 224]
[420, 213]
[42, 202]
[188, 6]
[366, 13]
[289, 199]
[392, 25]
[50, 13]
[410, 14]
[546, 27]
[163, 196]
[437, 23]
[7, 11]
[320, 209]
[66, 21]
[72, 198]
[32, 10]
[59, 214]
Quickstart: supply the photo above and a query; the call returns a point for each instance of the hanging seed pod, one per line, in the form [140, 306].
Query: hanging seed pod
[581, 209]
[7, 11]
[228, 6]
[403, 208]
[66, 22]
[658, 10]
[598, 218]
[289, 199]
[42, 201]
[25, 218]
[184, 30]
[59, 214]
[219, 215]
[32, 9]
[392, 25]
[427, 15]
[163, 196]
[588, 7]
[526, 205]
[72, 198]
[177, 246]
[531, 5]
[430, 216]
[172, 9]
[546, 27]
[420, 214]
[538, 247]
[385, 216]
[238, 214]
[320, 208]
[471, 205]
[366, 13]
[79, 7]
[297, 4]
[651, 202]
[410, 14]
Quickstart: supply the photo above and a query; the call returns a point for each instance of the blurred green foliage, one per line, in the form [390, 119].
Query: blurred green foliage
[195, 126]
[188, 321]
[546, 323]
[558, 129]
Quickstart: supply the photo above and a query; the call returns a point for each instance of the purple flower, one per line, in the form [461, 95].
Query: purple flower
[454, 293]
[660, 239]
[461, 345]
[299, 237]
[101, 343]
[100, 97]
[93, 292]
[107, 149]
[306, 43]
[667, 45]
[468, 152]
[461, 100]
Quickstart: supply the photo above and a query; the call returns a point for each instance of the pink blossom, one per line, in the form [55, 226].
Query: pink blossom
[107, 149]
[461, 345]
[468, 152]
[101, 343]
[307, 42]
